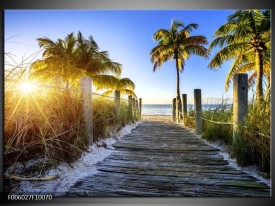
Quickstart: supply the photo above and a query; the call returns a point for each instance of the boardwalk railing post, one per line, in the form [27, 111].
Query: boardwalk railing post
[137, 111]
[133, 107]
[130, 107]
[198, 110]
[86, 86]
[177, 110]
[140, 106]
[184, 107]
[174, 110]
[240, 100]
[117, 103]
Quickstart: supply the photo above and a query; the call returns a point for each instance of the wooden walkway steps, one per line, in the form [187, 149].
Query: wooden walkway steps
[164, 159]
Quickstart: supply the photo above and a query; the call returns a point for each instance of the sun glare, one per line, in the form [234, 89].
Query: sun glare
[27, 87]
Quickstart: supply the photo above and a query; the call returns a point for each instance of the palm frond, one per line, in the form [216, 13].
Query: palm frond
[226, 29]
[195, 40]
[221, 41]
[197, 50]
[126, 83]
[160, 34]
[45, 42]
[242, 68]
[228, 52]
[105, 82]
[252, 79]
[175, 23]
[128, 92]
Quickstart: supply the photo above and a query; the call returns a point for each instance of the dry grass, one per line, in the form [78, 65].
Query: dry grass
[46, 123]
[252, 145]
[50, 123]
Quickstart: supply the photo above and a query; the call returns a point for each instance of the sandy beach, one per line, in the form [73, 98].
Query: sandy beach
[166, 118]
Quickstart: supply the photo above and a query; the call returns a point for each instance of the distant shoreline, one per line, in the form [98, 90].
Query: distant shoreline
[156, 115]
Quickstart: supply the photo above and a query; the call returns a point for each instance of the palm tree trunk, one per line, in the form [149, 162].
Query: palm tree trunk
[259, 71]
[178, 90]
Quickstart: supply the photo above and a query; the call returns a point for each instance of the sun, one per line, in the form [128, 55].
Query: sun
[27, 87]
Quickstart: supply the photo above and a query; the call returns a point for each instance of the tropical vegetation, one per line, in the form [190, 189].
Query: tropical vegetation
[245, 39]
[46, 123]
[66, 60]
[40, 121]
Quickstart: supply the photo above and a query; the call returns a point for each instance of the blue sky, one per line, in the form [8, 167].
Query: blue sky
[127, 36]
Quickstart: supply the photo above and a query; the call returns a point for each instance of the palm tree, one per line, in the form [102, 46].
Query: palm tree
[125, 85]
[246, 32]
[58, 60]
[93, 61]
[73, 57]
[176, 43]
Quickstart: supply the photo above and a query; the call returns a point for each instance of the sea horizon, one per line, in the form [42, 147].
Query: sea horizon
[166, 109]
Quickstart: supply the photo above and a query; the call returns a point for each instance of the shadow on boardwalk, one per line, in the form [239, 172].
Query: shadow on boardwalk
[160, 158]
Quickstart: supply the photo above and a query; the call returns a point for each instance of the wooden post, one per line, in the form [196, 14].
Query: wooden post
[184, 107]
[117, 103]
[177, 111]
[140, 106]
[134, 108]
[198, 110]
[174, 110]
[137, 111]
[240, 100]
[130, 107]
[86, 86]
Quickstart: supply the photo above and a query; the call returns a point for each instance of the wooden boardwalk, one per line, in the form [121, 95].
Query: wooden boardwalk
[163, 159]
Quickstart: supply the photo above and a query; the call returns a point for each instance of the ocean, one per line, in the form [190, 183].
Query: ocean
[166, 109]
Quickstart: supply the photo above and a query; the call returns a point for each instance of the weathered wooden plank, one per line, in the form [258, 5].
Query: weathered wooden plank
[164, 147]
[165, 153]
[171, 164]
[163, 172]
[165, 159]
[158, 178]
[160, 188]
[182, 183]
[176, 159]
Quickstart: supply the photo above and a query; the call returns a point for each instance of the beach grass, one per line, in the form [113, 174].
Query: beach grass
[50, 123]
[212, 131]
[251, 145]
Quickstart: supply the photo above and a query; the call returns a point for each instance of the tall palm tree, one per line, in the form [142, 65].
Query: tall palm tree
[72, 57]
[246, 31]
[176, 43]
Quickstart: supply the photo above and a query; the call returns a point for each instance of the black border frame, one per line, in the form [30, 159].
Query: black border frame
[133, 5]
